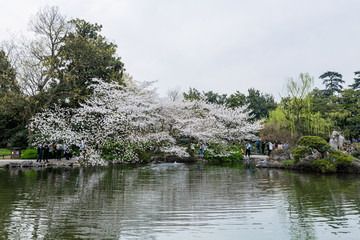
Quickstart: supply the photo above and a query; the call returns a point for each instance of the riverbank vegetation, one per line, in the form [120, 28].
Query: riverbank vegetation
[319, 155]
[68, 84]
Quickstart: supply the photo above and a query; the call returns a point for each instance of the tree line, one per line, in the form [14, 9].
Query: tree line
[54, 67]
[304, 110]
[59, 65]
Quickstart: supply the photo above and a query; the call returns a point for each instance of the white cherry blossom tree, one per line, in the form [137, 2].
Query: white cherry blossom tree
[136, 115]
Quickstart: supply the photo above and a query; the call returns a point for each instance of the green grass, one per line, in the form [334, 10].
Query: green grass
[4, 151]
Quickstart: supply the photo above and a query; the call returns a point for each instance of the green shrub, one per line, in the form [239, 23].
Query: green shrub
[223, 153]
[29, 154]
[341, 159]
[324, 165]
[300, 153]
[4, 151]
[335, 160]
[356, 154]
[19, 139]
[314, 142]
[122, 152]
[288, 163]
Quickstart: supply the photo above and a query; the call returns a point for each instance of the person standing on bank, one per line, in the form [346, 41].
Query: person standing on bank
[258, 146]
[248, 149]
[46, 152]
[59, 151]
[65, 151]
[201, 149]
[54, 151]
[39, 153]
[263, 148]
[271, 147]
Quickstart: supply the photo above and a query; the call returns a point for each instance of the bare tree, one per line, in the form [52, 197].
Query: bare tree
[175, 94]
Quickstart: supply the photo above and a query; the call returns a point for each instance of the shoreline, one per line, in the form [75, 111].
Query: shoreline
[31, 163]
[258, 161]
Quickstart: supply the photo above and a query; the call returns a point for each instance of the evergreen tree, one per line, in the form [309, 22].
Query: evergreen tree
[332, 82]
[259, 104]
[236, 100]
[192, 95]
[356, 84]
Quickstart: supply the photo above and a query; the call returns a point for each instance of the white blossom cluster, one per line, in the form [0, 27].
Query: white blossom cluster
[136, 114]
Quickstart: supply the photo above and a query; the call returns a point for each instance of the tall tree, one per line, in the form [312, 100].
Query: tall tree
[236, 100]
[356, 84]
[295, 112]
[332, 82]
[12, 128]
[214, 98]
[59, 64]
[259, 104]
[86, 55]
[193, 95]
[347, 114]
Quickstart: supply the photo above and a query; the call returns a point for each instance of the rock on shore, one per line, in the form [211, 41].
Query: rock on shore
[34, 164]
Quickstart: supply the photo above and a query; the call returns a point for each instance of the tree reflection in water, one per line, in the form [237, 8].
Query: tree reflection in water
[177, 201]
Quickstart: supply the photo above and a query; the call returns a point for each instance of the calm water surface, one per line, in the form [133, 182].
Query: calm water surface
[177, 201]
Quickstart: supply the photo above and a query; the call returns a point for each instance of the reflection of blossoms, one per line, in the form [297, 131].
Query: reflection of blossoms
[135, 114]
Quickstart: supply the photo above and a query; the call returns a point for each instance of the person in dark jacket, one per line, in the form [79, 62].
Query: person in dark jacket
[39, 153]
[46, 152]
[263, 147]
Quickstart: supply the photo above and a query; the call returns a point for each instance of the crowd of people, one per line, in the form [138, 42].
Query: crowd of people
[56, 151]
[262, 147]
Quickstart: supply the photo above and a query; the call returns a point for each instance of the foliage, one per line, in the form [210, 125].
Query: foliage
[332, 82]
[307, 145]
[193, 95]
[223, 153]
[329, 162]
[324, 165]
[277, 129]
[346, 113]
[4, 151]
[288, 163]
[356, 154]
[11, 125]
[334, 161]
[134, 114]
[259, 104]
[341, 159]
[295, 113]
[7, 73]
[20, 138]
[29, 154]
[236, 100]
[120, 152]
[85, 55]
[214, 98]
[13, 131]
[300, 153]
[56, 66]
[314, 142]
[342, 110]
[356, 84]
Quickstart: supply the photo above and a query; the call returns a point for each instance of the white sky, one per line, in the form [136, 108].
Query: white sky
[222, 46]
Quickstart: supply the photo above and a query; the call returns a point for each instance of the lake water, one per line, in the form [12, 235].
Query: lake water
[177, 201]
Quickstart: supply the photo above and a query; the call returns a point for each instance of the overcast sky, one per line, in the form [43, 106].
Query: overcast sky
[223, 46]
